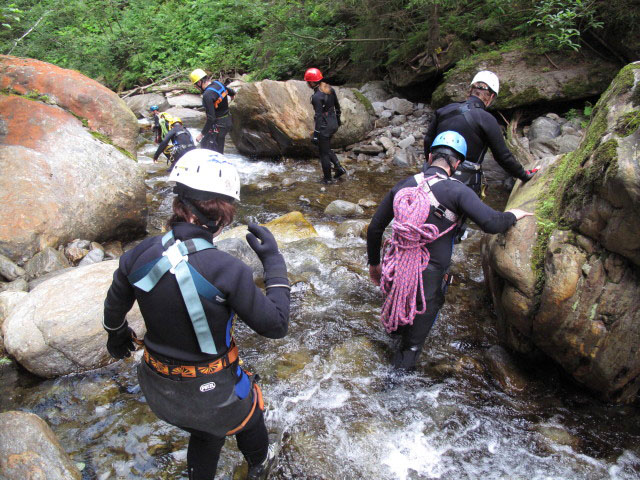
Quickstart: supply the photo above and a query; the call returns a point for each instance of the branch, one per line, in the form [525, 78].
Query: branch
[514, 144]
[15, 44]
[143, 88]
[551, 61]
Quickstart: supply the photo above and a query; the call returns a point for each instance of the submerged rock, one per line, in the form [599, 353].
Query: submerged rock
[52, 333]
[30, 450]
[504, 371]
[287, 228]
[343, 208]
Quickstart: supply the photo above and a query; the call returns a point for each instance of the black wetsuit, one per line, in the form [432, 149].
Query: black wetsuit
[480, 133]
[157, 133]
[461, 200]
[182, 143]
[170, 336]
[326, 122]
[217, 118]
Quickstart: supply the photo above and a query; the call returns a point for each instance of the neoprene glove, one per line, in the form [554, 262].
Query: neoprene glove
[262, 241]
[529, 174]
[120, 342]
[339, 121]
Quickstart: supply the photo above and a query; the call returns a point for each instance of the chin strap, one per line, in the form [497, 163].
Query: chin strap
[206, 222]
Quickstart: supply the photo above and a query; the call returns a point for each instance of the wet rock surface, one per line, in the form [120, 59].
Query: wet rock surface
[30, 450]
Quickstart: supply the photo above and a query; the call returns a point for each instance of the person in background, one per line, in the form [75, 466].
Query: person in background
[189, 293]
[215, 100]
[179, 137]
[157, 135]
[480, 130]
[413, 274]
[326, 122]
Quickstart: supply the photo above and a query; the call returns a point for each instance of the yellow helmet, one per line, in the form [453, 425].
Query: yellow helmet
[197, 75]
[174, 120]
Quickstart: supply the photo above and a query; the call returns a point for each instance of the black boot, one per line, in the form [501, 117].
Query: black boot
[405, 358]
[261, 470]
[339, 171]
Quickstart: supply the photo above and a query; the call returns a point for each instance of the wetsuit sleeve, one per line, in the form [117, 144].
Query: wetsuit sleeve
[499, 148]
[488, 219]
[430, 134]
[380, 220]
[120, 299]
[231, 92]
[165, 142]
[337, 103]
[267, 314]
[208, 99]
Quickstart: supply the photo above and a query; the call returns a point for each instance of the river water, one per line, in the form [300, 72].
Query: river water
[334, 407]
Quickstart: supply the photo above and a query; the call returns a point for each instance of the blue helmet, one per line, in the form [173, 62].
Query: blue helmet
[153, 108]
[452, 140]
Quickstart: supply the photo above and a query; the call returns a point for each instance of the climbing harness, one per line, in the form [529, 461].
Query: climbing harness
[221, 90]
[406, 255]
[192, 285]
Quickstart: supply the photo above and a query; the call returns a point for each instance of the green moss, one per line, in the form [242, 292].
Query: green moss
[528, 96]
[364, 101]
[31, 95]
[577, 88]
[105, 139]
[628, 123]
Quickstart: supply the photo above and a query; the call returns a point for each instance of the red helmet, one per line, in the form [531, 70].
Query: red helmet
[312, 75]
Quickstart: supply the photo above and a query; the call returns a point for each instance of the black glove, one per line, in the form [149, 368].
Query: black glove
[314, 138]
[339, 121]
[262, 241]
[528, 175]
[120, 342]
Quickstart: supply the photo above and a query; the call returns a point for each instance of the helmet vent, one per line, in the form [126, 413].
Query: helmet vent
[198, 170]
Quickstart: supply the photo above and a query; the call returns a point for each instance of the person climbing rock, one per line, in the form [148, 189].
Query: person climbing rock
[326, 122]
[215, 100]
[189, 293]
[413, 275]
[480, 130]
[179, 137]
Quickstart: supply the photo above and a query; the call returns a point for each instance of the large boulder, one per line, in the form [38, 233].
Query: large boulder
[139, 104]
[29, 450]
[51, 333]
[276, 118]
[59, 182]
[568, 284]
[527, 78]
[103, 111]
[190, 118]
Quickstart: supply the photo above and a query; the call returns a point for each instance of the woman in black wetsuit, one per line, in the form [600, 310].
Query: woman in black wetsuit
[189, 293]
[326, 122]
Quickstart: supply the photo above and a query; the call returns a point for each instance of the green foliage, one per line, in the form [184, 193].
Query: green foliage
[8, 15]
[123, 43]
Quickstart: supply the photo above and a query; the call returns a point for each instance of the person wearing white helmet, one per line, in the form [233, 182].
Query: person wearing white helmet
[215, 100]
[480, 130]
[189, 293]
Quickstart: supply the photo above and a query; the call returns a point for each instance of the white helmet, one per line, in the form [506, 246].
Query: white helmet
[203, 174]
[490, 78]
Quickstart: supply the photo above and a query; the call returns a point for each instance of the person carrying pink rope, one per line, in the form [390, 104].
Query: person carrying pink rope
[426, 208]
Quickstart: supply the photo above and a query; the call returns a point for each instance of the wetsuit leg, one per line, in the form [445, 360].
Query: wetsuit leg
[253, 440]
[414, 336]
[224, 126]
[209, 141]
[324, 148]
[203, 454]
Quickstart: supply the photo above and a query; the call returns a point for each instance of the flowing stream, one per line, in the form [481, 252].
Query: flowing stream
[334, 406]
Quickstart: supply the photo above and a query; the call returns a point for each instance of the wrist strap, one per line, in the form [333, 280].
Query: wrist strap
[277, 285]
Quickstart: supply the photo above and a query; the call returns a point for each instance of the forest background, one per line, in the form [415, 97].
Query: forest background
[124, 43]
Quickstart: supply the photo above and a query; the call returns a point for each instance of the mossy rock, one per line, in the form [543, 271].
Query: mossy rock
[528, 78]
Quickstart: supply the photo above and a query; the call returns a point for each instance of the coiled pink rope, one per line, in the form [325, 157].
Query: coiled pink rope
[406, 256]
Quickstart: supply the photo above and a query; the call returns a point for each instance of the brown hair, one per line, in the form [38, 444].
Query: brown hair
[217, 209]
[481, 93]
[325, 88]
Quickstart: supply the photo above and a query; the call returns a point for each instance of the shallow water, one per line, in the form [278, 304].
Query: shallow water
[333, 404]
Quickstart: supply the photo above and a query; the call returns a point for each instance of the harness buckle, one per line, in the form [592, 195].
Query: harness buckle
[175, 256]
[440, 211]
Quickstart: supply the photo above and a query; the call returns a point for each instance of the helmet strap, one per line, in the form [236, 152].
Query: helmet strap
[209, 224]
